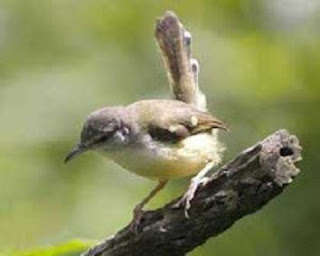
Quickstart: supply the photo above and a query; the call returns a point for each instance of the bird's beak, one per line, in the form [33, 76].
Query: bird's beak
[77, 150]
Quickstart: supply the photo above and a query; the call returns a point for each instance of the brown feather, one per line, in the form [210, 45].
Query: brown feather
[172, 120]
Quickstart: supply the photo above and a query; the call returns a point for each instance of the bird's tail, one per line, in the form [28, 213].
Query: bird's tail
[175, 44]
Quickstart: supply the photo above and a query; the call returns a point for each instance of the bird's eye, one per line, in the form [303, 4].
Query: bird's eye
[103, 138]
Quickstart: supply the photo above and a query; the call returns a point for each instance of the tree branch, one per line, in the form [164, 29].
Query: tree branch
[241, 187]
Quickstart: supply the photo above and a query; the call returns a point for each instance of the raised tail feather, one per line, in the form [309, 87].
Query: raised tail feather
[182, 70]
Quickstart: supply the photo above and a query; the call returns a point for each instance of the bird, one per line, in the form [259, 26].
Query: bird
[160, 139]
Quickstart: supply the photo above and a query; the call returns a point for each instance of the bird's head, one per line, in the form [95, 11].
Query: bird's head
[104, 129]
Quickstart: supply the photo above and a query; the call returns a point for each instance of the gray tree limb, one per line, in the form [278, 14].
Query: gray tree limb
[241, 187]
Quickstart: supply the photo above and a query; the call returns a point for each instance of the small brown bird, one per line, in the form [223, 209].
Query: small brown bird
[160, 139]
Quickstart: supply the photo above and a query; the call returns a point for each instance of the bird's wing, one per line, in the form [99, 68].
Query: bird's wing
[176, 123]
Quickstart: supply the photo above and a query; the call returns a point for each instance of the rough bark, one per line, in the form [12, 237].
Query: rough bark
[241, 187]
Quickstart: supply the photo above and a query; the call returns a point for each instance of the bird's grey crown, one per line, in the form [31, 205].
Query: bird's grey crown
[102, 125]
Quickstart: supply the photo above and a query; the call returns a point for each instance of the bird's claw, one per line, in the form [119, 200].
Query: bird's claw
[185, 200]
[135, 225]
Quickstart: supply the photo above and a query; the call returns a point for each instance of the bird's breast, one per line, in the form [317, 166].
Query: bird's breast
[157, 160]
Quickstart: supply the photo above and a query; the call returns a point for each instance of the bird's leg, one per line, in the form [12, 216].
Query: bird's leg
[196, 181]
[138, 212]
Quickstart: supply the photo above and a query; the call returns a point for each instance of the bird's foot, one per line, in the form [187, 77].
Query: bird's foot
[135, 225]
[185, 200]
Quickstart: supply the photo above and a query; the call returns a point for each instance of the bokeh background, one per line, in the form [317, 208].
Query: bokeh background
[62, 59]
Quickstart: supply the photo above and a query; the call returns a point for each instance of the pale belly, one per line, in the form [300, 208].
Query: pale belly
[168, 161]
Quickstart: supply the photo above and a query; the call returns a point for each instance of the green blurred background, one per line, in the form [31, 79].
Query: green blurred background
[62, 59]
